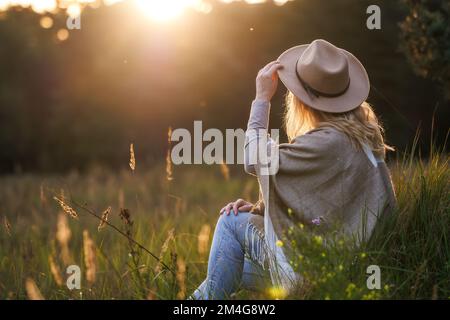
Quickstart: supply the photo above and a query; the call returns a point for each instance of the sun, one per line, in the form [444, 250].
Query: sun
[162, 10]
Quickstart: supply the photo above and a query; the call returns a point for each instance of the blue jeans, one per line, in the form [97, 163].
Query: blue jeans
[233, 262]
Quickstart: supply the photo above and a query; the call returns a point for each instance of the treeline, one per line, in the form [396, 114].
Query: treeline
[122, 79]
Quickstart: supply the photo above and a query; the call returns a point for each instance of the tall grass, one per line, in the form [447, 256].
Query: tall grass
[174, 219]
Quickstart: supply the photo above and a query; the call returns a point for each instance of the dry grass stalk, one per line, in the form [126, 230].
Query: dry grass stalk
[33, 291]
[225, 171]
[121, 198]
[169, 172]
[181, 279]
[7, 225]
[126, 216]
[66, 208]
[42, 196]
[55, 270]
[203, 239]
[104, 219]
[63, 235]
[164, 248]
[132, 157]
[90, 259]
[151, 294]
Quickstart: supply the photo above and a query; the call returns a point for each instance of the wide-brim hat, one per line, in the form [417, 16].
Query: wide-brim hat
[324, 77]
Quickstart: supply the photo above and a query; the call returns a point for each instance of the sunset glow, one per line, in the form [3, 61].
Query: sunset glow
[163, 10]
[157, 10]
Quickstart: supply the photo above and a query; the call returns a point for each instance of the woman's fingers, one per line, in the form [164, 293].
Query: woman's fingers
[228, 208]
[236, 205]
[273, 68]
[245, 208]
[269, 65]
[264, 69]
[224, 209]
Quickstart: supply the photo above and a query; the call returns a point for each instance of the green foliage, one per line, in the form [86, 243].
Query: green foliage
[425, 35]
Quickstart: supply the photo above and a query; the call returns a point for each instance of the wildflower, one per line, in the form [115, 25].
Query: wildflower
[316, 221]
[323, 254]
[363, 255]
[370, 296]
[277, 293]
[290, 212]
[301, 225]
[105, 216]
[318, 240]
[350, 289]
[279, 243]
[341, 267]
[291, 230]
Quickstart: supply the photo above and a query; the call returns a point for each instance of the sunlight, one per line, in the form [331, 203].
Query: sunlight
[163, 10]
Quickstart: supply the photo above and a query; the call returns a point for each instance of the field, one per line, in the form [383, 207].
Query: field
[172, 215]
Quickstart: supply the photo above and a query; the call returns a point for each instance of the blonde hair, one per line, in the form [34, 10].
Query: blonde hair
[361, 125]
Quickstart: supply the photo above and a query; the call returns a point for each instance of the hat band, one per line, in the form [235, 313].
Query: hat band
[311, 91]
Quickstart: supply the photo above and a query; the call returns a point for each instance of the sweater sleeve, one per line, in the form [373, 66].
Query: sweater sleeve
[257, 132]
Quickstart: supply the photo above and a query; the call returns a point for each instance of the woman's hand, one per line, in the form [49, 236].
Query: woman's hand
[267, 81]
[238, 205]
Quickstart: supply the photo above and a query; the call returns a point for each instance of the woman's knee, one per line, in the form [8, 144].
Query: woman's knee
[233, 221]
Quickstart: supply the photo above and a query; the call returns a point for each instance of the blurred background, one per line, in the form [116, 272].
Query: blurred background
[71, 99]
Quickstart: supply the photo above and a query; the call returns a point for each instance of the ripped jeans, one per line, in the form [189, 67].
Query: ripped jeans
[233, 261]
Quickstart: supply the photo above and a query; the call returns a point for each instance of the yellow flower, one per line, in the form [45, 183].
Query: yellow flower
[323, 254]
[318, 240]
[363, 255]
[301, 225]
[341, 267]
[279, 243]
[350, 288]
[277, 293]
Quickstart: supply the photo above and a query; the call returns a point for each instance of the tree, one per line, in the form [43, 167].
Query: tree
[425, 36]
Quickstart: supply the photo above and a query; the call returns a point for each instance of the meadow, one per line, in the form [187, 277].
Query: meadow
[172, 211]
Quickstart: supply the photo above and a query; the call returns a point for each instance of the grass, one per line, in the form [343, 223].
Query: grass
[174, 219]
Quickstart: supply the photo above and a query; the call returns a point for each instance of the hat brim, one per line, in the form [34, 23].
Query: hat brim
[353, 97]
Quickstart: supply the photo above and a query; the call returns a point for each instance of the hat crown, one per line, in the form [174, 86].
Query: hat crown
[324, 68]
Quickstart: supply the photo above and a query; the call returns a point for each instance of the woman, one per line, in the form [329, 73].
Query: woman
[332, 171]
